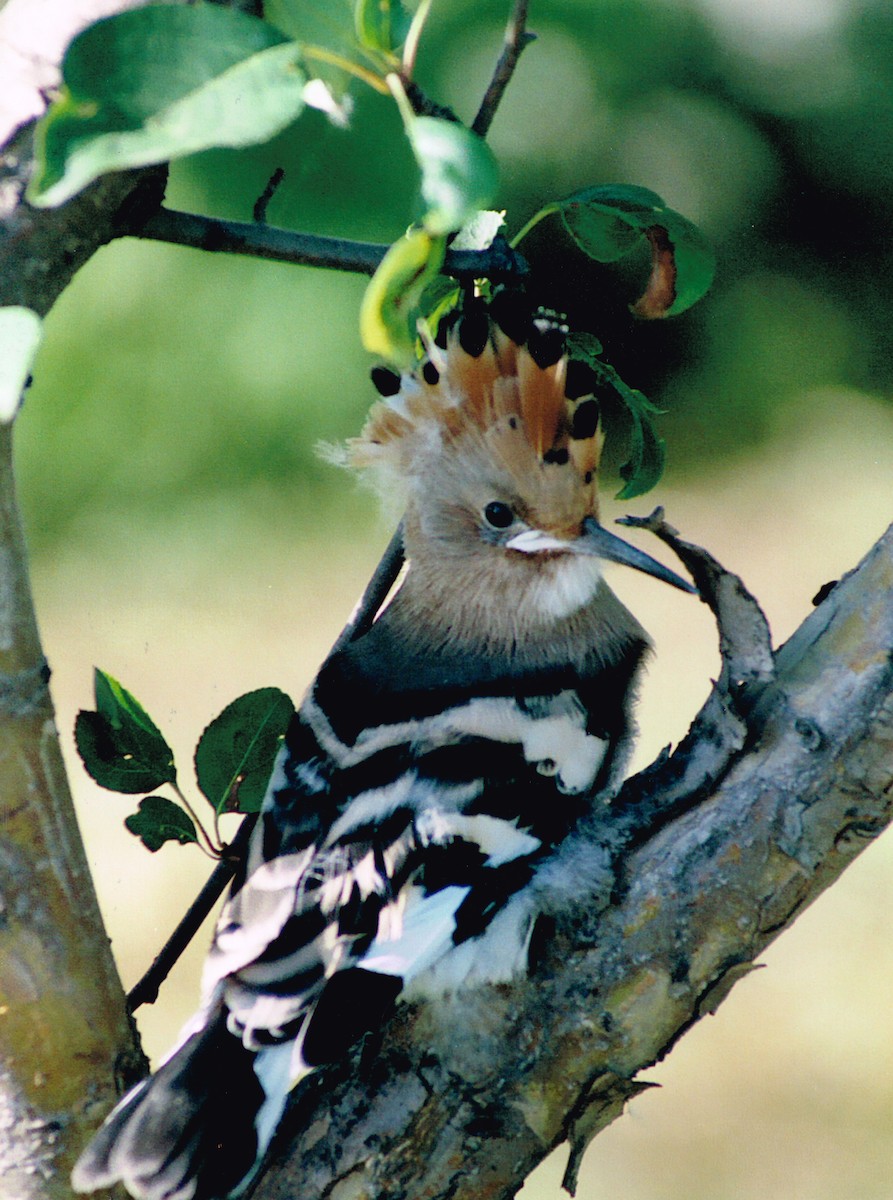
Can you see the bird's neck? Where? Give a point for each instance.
(554, 613)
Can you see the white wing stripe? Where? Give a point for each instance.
(557, 735)
(414, 931)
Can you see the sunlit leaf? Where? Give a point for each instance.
(459, 172)
(121, 747)
(392, 302)
(20, 334)
(320, 25)
(155, 83)
(160, 820)
(235, 755)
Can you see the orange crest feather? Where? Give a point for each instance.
(475, 385)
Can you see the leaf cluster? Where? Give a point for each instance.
(163, 81)
(123, 750)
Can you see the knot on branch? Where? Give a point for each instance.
(24, 693)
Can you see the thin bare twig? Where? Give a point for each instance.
(259, 212)
(498, 262)
(145, 991)
(383, 579)
(516, 38)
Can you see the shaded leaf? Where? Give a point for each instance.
(610, 221)
(645, 464)
(235, 754)
(391, 303)
(121, 747)
(20, 334)
(459, 172)
(320, 26)
(381, 25)
(155, 83)
(160, 820)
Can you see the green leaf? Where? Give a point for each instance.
(645, 464)
(459, 172)
(381, 25)
(121, 747)
(160, 820)
(159, 82)
(392, 302)
(610, 221)
(328, 39)
(235, 755)
(20, 334)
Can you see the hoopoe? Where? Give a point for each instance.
(435, 763)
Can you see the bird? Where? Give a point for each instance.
(436, 763)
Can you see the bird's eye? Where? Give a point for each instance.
(498, 514)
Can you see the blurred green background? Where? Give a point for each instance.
(188, 538)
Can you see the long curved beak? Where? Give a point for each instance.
(596, 540)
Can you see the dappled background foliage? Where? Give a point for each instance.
(172, 379)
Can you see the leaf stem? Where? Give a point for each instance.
(411, 45)
(398, 91)
(534, 221)
(211, 847)
(321, 54)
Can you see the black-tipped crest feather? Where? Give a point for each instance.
(508, 361)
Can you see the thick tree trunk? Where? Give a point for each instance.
(66, 1042)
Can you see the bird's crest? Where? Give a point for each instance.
(498, 372)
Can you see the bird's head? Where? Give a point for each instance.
(495, 443)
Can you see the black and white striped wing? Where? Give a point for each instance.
(385, 852)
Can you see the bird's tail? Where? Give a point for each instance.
(187, 1133)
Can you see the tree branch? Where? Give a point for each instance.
(516, 38)
(66, 1043)
(314, 250)
(465, 1098)
(64, 1034)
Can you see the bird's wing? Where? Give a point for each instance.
(381, 847)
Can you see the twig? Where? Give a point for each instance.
(516, 38)
(498, 262)
(259, 212)
(262, 241)
(145, 991)
(383, 579)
